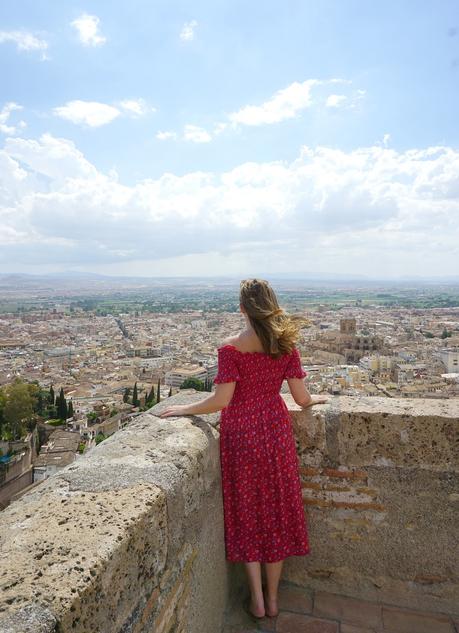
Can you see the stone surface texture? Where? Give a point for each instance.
(129, 538)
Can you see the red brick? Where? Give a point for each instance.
(349, 474)
(296, 623)
(308, 501)
(292, 598)
(367, 491)
(357, 505)
(351, 610)
(406, 621)
(310, 470)
(311, 484)
(336, 488)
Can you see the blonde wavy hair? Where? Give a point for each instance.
(277, 330)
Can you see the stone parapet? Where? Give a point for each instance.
(130, 538)
(381, 493)
(126, 539)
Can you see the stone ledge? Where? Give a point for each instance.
(88, 547)
(130, 537)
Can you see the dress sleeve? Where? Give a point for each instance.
(227, 367)
(294, 368)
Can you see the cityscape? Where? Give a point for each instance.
(109, 348)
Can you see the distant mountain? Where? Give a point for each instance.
(76, 275)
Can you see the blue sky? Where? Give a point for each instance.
(189, 138)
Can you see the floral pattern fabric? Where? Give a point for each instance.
(264, 517)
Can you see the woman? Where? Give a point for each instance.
(263, 510)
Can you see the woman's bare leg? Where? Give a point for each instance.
(253, 570)
(273, 574)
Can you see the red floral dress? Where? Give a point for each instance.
(264, 517)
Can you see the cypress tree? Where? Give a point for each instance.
(58, 406)
(135, 400)
(127, 392)
(70, 412)
(158, 395)
(151, 395)
(170, 392)
(51, 395)
(40, 403)
(61, 405)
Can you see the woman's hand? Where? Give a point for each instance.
(317, 399)
(175, 410)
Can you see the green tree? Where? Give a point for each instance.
(100, 437)
(40, 404)
(62, 405)
(135, 398)
(151, 397)
(2, 410)
(127, 393)
(18, 408)
(170, 392)
(51, 395)
(70, 411)
(158, 393)
(192, 383)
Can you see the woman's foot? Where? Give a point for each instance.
(271, 607)
(257, 608)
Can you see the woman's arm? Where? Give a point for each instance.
(302, 396)
(218, 400)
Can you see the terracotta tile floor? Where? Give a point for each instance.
(301, 612)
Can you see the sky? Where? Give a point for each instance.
(228, 137)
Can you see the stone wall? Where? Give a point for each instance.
(126, 539)
(381, 493)
(130, 537)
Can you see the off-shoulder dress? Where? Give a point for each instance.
(264, 516)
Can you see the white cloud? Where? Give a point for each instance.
(373, 206)
(55, 158)
(166, 136)
(191, 133)
(196, 134)
(284, 104)
(25, 41)
(95, 114)
(137, 107)
(188, 31)
(90, 113)
(5, 114)
(87, 27)
(357, 98)
(219, 128)
(333, 101)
